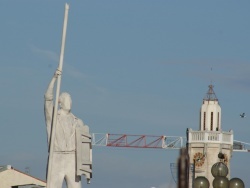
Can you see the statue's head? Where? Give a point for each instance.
(65, 101)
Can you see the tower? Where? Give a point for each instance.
(210, 113)
(209, 144)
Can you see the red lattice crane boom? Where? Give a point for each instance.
(150, 141)
(138, 141)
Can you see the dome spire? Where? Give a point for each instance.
(210, 96)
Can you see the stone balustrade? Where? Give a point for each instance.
(210, 136)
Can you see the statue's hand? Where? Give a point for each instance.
(57, 73)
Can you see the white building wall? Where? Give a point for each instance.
(209, 144)
(210, 116)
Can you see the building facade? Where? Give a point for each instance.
(209, 144)
(13, 178)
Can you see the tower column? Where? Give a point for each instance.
(210, 112)
(205, 145)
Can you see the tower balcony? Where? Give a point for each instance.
(209, 137)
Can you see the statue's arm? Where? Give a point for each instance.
(48, 103)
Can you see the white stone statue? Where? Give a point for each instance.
(72, 153)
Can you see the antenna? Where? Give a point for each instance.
(211, 76)
(27, 170)
(210, 96)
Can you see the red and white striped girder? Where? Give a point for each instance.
(137, 141)
(149, 141)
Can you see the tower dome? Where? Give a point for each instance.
(210, 113)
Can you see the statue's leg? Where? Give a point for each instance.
(57, 171)
(72, 180)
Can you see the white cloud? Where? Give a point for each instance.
(74, 72)
(46, 53)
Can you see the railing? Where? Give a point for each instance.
(210, 136)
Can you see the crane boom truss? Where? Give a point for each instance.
(137, 141)
(150, 141)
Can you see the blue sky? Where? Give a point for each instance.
(135, 67)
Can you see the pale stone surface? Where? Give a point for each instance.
(64, 159)
(210, 116)
(210, 152)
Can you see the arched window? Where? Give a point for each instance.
(218, 120)
(204, 121)
(212, 118)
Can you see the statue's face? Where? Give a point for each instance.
(65, 102)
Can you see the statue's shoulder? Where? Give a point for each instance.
(81, 127)
(78, 121)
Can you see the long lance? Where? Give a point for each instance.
(52, 135)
